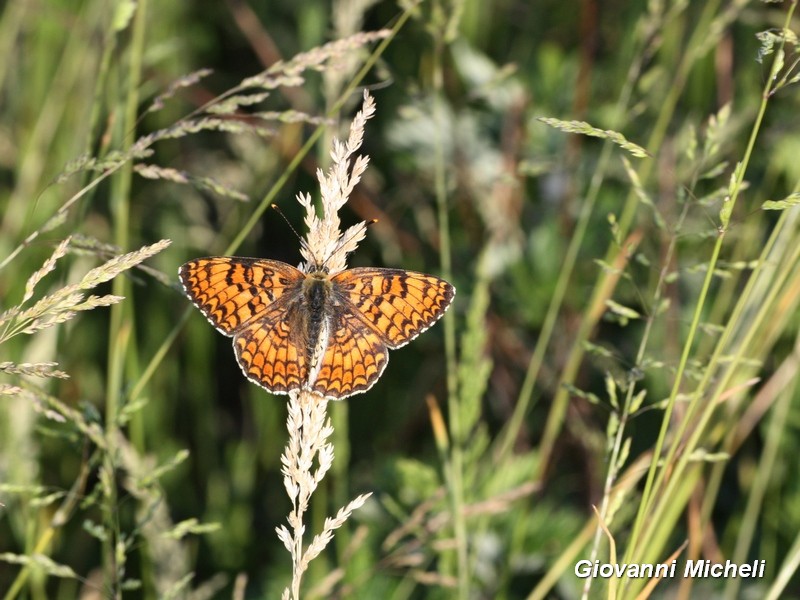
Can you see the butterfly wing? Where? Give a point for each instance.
(231, 292)
(398, 304)
(261, 305)
(271, 353)
(376, 309)
(253, 301)
(353, 360)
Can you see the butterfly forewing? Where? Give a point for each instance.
(247, 298)
(398, 304)
(231, 292)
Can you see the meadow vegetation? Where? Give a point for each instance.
(612, 188)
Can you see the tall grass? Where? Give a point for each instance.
(615, 199)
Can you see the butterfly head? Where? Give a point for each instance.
(325, 249)
(318, 272)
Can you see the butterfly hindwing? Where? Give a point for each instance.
(269, 353)
(353, 360)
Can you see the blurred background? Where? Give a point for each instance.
(579, 265)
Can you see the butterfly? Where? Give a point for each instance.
(327, 333)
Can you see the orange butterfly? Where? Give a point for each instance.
(326, 333)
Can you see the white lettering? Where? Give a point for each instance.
(705, 568)
(643, 571)
(694, 568)
(734, 569)
(583, 569)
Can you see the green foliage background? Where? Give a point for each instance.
(468, 182)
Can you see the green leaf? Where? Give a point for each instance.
(637, 401)
(788, 202)
(588, 396)
(701, 455)
(612, 426)
(123, 14)
(622, 311)
(624, 452)
(611, 390)
(597, 350)
(45, 563)
(190, 526)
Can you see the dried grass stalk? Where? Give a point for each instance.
(308, 454)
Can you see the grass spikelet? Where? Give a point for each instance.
(44, 369)
(234, 103)
(64, 304)
(48, 266)
(605, 134)
(325, 243)
(292, 116)
(39, 562)
(181, 83)
(190, 126)
(117, 265)
(309, 430)
(176, 176)
(308, 455)
(288, 72)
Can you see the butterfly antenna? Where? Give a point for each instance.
(343, 241)
(294, 231)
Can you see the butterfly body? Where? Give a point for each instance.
(317, 291)
(328, 333)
